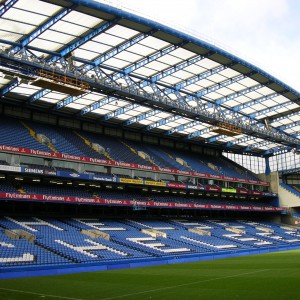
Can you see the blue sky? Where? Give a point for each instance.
(263, 32)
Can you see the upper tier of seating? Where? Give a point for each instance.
(62, 140)
(69, 240)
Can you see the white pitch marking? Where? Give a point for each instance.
(184, 284)
(38, 294)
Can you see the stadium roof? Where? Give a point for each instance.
(94, 61)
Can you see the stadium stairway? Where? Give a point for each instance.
(21, 191)
(187, 167)
(296, 188)
(33, 134)
(89, 144)
(158, 156)
(136, 153)
(58, 253)
(288, 196)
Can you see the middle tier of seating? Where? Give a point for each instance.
(111, 194)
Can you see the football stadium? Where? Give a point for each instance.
(141, 162)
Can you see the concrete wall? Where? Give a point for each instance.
(290, 220)
(286, 198)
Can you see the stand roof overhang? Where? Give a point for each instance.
(140, 75)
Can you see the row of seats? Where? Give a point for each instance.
(90, 192)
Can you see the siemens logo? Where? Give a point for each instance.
(35, 171)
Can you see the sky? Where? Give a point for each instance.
(263, 32)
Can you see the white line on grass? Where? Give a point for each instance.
(39, 294)
(184, 284)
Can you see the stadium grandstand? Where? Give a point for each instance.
(125, 142)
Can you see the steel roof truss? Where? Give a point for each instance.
(220, 85)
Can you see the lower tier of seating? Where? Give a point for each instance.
(35, 241)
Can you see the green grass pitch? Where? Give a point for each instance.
(267, 276)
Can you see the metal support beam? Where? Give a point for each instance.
(41, 29)
(268, 169)
(256, 101)
(14, 83)
(63, 103)
(201, 76)
(288, 126)
(174, 69)
(118, 49)
(238, 94)
(257, 145)
(239, 141)
(5, 7)
(97, 105)
(149, 59)
(197, 133)
(220, 85)
(264, 111)
(141, 117)
(278, 150)
(122, 73)
(120, 111)
(214, 138)
(84, 39)
(285, 117)
(183, 127)
(38, 95)
(163, 122)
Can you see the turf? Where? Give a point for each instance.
(268, 276)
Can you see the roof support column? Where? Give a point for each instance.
(268, 170)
